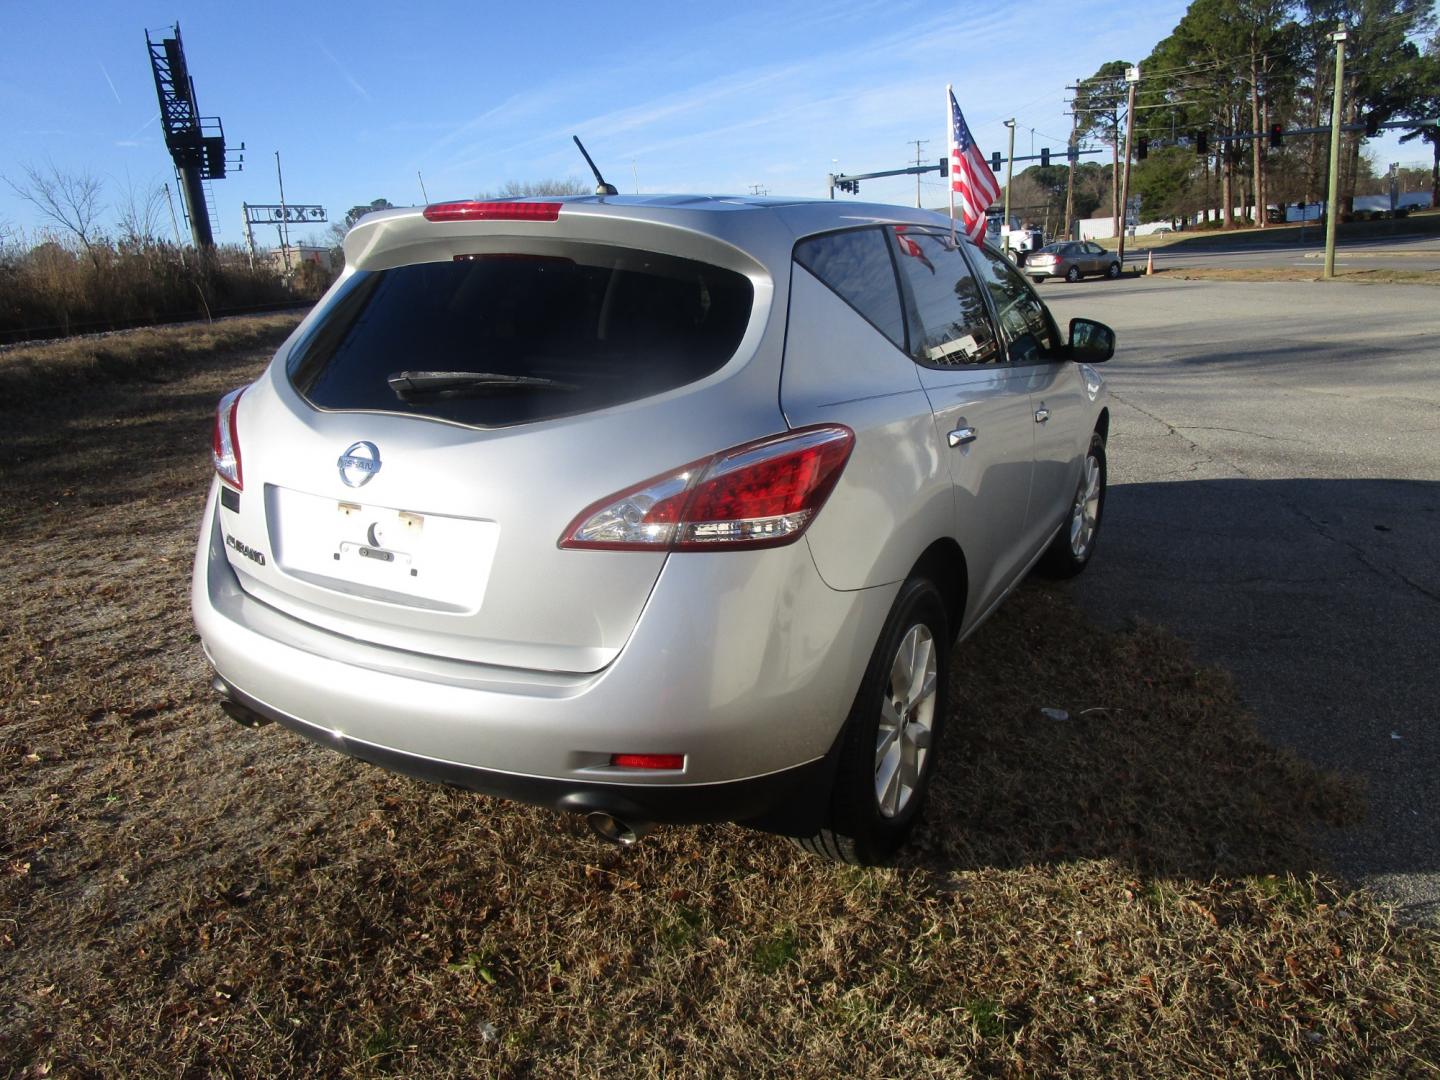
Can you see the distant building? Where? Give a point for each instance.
(282, 259)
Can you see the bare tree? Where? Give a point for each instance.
(70, 200)
(517, 188)
(141, 213)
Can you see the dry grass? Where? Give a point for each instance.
(35, 373)
(1421, 223)
(1305, 273)
(52, 290)
(1127, 892)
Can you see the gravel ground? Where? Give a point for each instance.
(1275, 472)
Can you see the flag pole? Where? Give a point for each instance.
(950, 155)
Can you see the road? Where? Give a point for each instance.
(1307, 249)
(1275, 499)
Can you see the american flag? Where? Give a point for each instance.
(970, 176)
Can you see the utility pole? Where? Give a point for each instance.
(1333, 206)
(284, 232)
(1132, 76)
(1072, 159)
(249, 233)
(918, 161)
(1009, 176)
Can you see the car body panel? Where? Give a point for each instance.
(895, 494)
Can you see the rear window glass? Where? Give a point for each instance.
(501, 339)
(856, 265)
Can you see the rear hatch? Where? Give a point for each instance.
(414, 454)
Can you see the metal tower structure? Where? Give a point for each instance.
(196, 143)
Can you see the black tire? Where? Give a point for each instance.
(1061, 560)
(1038, 280)
(1113, 271)
(1072, 275)
(855, 828)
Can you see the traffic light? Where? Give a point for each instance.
(995, 161)
(1044, 157)
(1202, 144)
(1372, 125)
(1142, 149)
(1277, 136)
(944, 166)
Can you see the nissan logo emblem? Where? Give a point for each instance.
(359, 463)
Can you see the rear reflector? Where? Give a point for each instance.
(225, 441)
(493, 211)
(761, 494)
(648, 761)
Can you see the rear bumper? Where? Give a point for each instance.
(788, 800)
(744, 662)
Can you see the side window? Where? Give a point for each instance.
(1094, 249)
(1026, 324)
(857, 267)
(953, 325)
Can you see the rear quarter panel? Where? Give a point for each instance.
(895, 496)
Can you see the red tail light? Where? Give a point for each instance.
(648, 761)
(761, 494)
(493, 211)
(225, 441)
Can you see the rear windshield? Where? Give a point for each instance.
(496, 339)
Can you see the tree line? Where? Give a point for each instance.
(1241, 67)
(104, 260)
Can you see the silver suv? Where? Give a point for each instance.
(654, 509)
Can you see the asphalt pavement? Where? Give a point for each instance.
(1274, 470)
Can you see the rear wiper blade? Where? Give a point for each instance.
(449, 384)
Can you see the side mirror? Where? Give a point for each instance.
(1091, 342)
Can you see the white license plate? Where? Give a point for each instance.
(388, 554)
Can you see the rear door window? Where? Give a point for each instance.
(950, 325)
(526, 337)
(856, 266)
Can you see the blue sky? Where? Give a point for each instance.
(678, 96)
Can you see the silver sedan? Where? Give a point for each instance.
(1072, 260)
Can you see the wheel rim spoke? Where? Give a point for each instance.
(887, 781)
(890, 725)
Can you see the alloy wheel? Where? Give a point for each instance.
(907, 716)
(1085, 514)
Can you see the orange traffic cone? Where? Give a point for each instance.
(1149, 263)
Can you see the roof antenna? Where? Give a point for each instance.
(601, 187)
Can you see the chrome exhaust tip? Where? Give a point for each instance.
(609, 827)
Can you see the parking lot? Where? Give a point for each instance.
(1275, 495)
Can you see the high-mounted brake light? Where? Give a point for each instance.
(647, 761)
(761, 494)
(225, 441)
(493, 211)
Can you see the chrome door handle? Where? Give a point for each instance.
(1041, 415)
(962, 435)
